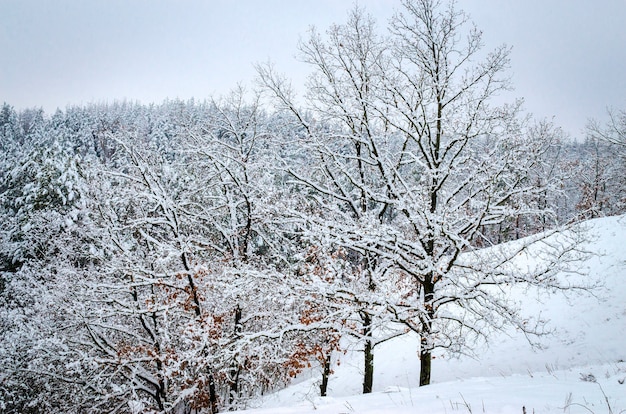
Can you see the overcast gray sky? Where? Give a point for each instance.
(568, 59)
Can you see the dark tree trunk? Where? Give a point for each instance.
(425, 360)
(427, 327)
(157, 397)
(212, 395)
(325, 375)
(235, 368)
(368, 376)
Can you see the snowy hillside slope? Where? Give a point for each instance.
(588, 344)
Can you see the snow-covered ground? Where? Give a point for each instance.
(581, 367)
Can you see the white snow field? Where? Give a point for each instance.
(580, 368)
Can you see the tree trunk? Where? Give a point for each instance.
(325, 375)
(157, 397)
(427, 327)
(235, 368)
(368, 377)
(212, 395)
(425, 359)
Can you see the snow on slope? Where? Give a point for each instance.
(559, 392)
(589, 344)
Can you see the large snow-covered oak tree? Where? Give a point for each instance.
(409, 161)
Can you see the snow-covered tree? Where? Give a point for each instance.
(43, 250)
(191, 308)
(350, 68)
(411, 160)
(614, 131)
(603, 167)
